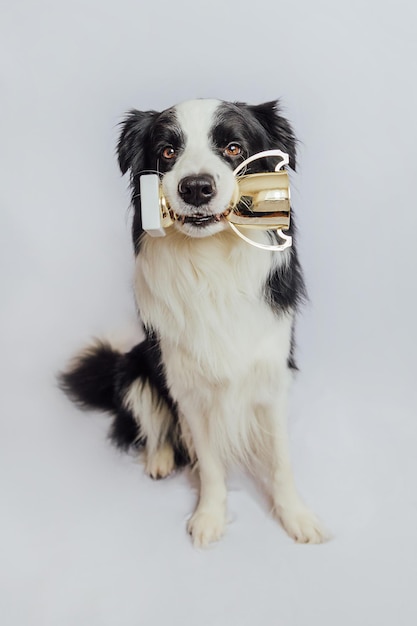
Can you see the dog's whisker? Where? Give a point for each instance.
(242, 173)
(245, 203)
(145, 172)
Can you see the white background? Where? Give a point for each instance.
(88, 539)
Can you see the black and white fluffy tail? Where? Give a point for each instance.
(131, 387)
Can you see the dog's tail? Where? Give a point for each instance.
(131, 386)
(90, 380)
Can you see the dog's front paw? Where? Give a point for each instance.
(206, 527)
(160, 463)
(303, 526)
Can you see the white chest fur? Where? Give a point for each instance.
(204, 298)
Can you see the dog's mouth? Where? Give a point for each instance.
(200, 220)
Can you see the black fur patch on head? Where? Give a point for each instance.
(280, 134)
(255, 128)
(143, 137)
(131, 148)
(165, 132)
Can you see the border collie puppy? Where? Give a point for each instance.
(209, 383)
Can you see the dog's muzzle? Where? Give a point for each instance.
(260, 201)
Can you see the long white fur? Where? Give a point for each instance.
(224, 350)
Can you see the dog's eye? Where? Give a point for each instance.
(169, 153)
(232, 150)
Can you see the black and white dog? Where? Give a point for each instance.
(209, 383)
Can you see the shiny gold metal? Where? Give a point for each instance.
(263, 201)
(167, 217)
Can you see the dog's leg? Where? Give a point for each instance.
(154, 419)
(297, 519)
(208, 521)
(160, 461)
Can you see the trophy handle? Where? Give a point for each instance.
(264, 246)
(285, 159)
(287, 240)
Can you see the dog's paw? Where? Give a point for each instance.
(303, 526)
(161, 463)
(206, 527)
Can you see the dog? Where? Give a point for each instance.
(208, 386)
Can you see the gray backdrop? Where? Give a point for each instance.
(88, 539)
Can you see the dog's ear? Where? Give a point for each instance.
(279, 130)
(130, 148)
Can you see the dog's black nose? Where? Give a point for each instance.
(197, 190)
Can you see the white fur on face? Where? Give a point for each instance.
(196, 118)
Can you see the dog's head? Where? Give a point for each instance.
(194, 147)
